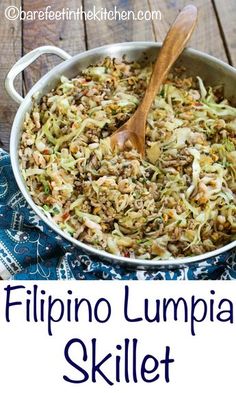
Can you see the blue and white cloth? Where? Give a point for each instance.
(30, 250)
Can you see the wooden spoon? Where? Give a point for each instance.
(177, 37)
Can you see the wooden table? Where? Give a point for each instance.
(215, 34)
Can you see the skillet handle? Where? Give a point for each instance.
(24, 62)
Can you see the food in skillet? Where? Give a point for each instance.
(178, 201)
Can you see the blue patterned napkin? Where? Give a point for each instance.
(30, 250)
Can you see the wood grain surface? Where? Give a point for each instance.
(68, 35)
(206, 37)
(11, 49)
(226, 16)
(215, 34)
(101, 33)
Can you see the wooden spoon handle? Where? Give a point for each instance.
(174, 43)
